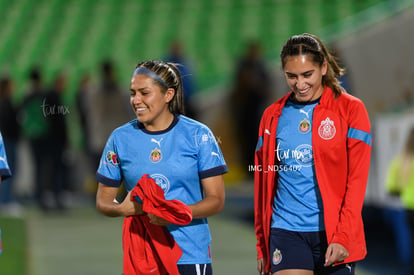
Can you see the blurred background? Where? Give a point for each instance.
(71, 61)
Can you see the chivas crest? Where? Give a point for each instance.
(155, 155)
(327, 129)
(304, 126)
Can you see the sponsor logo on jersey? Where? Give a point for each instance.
(327, 129)
(157, 141)
(204, 138)
(277, 257)
(304, 112)
(156, 155)
(111, 157)
(215, 154)
(304, 155)
(162, 182)
(207, 138)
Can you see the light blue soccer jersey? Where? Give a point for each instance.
(298, 203)
(177, 158)
(4, 166)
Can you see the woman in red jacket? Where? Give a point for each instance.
(311, 169)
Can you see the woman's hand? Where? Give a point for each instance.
(130, 207)
(261, 266)
(106, 204)
(335, 253)
(157, 220)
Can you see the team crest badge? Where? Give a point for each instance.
(327, 129)
(155, 155)
(304, 126)
(277, 257)
(112, 157)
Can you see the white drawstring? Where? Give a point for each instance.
(199, 271)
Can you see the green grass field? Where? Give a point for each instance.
(87, 243)
(14, 243)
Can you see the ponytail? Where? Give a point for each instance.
(310, 44)
(166, 75)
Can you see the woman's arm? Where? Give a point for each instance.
(107, 205)
(213, 201)
(350, 226)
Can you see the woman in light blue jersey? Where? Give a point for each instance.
(179, 153)
(4, 166)
(312, 162)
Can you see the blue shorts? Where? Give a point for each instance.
(303, 250)
(195, 269)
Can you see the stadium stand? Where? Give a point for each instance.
(77, 35)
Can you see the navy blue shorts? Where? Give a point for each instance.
(195, 269)
(303, 250)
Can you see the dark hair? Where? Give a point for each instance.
(171, 75)
(311, 45)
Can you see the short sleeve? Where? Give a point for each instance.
(210, 158)
(109, 171)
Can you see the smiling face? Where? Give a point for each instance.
(304, 77)
(150, 104)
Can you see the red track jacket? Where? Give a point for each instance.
(148, 248)
(341, 141)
